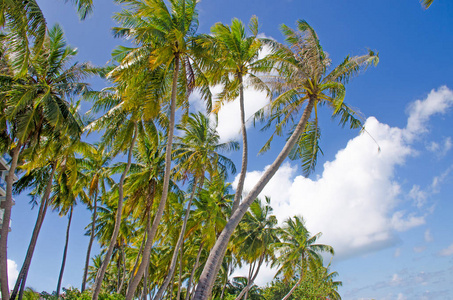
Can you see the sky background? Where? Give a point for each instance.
(388, 214)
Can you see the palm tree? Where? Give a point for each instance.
(197, 153)
(163, 35)
(255, 238)
(304, 81)
(95, 170)
(236, 59)
(298, 251)
(34, 105)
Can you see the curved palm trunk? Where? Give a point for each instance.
(65, 252)
(90, 244)
(291, 291)
(174, 258)
(217, 253)
(192, 274)
(22, 277)
(251, 279)
(108, 255)
(240, 187)
(160, 210)
(181, 252)
(8, 204)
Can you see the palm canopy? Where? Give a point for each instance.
(39, 99)
(303, 75)
(235, 57)
(197, 150)
(297, 249)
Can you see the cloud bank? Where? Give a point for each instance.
(356, 201)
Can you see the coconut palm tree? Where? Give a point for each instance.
(162, 33)
(197, 154)
(304, 84)
(94, 167)
(35, 105)
(298, 251)
(235, 61)
(255, 238)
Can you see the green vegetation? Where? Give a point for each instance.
(170, 227)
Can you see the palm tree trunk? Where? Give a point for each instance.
(65, 252)
(123, 265)
(181, 250)
(20, 282)
(8, 204)
(90, 244)
(145, 284)
(192, 274)
(108, 255)
(240, 187)
(293, 288)
(251, 279)
(160, 210)
(174, 258)
(217, 253)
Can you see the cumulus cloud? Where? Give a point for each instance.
(356, 201)
(447, 251)
(13, 272)
(440, 149)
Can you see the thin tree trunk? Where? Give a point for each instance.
(174, 258)
(65, 252)
(217, 253)
(8, 204)
(123, 277)
(101, 272)
(137, 260)
(21, 279)
(251, 279)
(293, 288)
(181, 250)
(192, 274)
(90, 244)
(160, 210)
(145, 284)
(240, 187)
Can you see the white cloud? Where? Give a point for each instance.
(355, 201)
(447, 251)
(428, 236)
(419, 249)
(397, 252)
(13, 272)
(401, 297)
(418, 196)
(437, 102)
(440, 149)
(396, 280)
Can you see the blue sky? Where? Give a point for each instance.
(387, 213)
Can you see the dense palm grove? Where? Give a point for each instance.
(170, 226)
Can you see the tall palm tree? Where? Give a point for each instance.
(304, 81)
(162, 34)
(96, 173)
(255, 238)
(197, 153)
(298, 251)
(35, 105)
(236, 60)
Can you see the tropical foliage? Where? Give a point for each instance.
(158, 179)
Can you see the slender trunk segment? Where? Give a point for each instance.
(195, 267)
(240, 187)
(21, 279)
(65, 252)
(8, 204)
(174, 258)
(160, 210)
(90, 244)
(108, 255)
(251, 279)
(217, 253)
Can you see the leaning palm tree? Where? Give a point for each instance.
(34, 105)
(235, 63)
(304, 84)
(298, 251)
